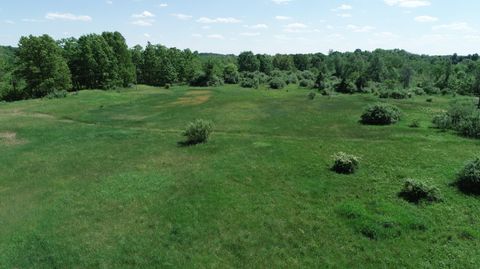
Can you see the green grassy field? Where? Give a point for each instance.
(97, 180)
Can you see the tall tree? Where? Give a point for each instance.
(247, 62)
(41, 64)
(126, 69)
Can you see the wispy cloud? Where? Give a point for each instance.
(67, 17)
(360, 29)
(183, 17)
(408, 3)
(216, 36)
(455, 26)
(426, 19)
(281, 2)
(283, 18)
(218, 20)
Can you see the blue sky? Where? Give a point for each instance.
(263, 26)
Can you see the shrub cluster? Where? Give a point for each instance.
(345, 163)
(462, 117)
(381, 114)
(415, 192)
(198, 132)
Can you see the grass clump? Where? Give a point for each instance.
(381, 114)
(57, 94)
(414, 124)
(416, 191)
(468, 179)
(198, 132)
(345, 163)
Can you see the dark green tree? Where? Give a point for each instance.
(42, 66)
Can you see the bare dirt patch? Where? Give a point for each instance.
(193, 98)
(10, 138)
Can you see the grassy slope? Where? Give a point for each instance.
(97, 180)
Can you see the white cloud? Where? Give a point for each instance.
(455, 26)
(249, 34)
(360, 29)
(162, 5)
(9, 22)
(281, 2)
(216, 36)
(345, 15)
(426, 19)
(218, 20)
(295, 28)
(343, 7)
(147, 35)
(183, 17)
(408, 3)
(257, 26)
(197, 35)
(145, 14)
(67, 17)
(143, 22)
(282, 18)
(110, 2)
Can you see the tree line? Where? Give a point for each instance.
(41, 65)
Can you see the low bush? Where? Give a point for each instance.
(167, 86)
(429, 100)
(345, 163)
(395, 94)
(415, 192)
(418, 91)
(305, 83)
(56, 95)
(198, 132)
(249, 83)
(468, 179)
(346, 87)
(441, 121)
(381, 114)
(277, 83)
(311, 95)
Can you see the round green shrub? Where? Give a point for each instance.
(345, 163)
(469, 177)
(381, 114)
(415, 191)
(277, 83)
(198, 131)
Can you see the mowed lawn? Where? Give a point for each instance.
(97, 180)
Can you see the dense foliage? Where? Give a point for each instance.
(345, 163)
(104, 62)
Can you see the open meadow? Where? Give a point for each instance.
(99, 180)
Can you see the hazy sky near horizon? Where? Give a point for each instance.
(263, 26)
